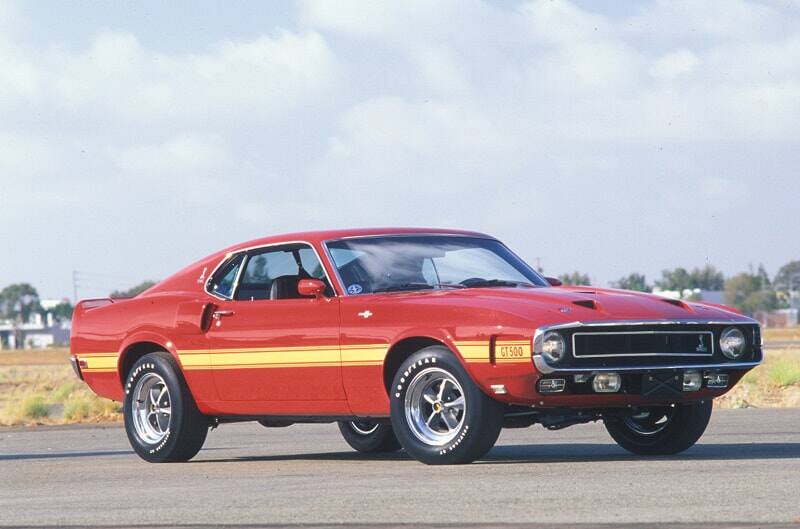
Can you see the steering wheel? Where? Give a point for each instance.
(470, 281)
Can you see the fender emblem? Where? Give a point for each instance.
(366, 314)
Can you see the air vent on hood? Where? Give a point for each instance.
(676, 302)
(588, 303)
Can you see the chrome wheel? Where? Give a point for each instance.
(363, 427)
(151, 408)
(650, 421)
(435, 406)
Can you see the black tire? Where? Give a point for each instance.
(184, 428)
(369, 437)
(468, 433)
(683, 425)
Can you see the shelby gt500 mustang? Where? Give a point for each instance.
(429, 340)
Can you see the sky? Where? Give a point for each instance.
(604, 137)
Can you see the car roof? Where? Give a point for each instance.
(327, 235)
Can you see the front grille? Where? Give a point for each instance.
(608, 346)
(597, 344)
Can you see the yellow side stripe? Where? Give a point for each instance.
(311, 356)
(92, 362)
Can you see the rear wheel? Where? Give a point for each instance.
(660, 430)
(438, 413)
(369, 437)
(161, 418)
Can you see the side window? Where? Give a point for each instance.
(273, 273)
(222, 282)
(311, 264)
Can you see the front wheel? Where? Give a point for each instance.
(438, 413)
(369, 437)
(660, 430)
(161, 418)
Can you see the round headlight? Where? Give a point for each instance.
(553, 347)
(732, 343)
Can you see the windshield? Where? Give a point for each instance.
(402, 263)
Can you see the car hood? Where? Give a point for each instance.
(566, 304)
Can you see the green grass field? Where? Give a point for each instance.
(39, 387)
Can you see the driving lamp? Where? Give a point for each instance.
(732, 343)
(692, 381)
(606, 382)
(553, 347)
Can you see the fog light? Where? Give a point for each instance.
(552, 385)
(717, 380)
(606, 382)
(692, 381)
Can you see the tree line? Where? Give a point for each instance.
(20, 300)
(749, 291)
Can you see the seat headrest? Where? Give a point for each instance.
(284, 287)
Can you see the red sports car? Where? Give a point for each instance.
(430, 340)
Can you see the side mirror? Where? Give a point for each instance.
(311, 288)
(554, 281)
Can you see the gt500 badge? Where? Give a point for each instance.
(355, 288)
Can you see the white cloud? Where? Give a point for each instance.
(674, 64)
(117, 78)
(615, 131)
(561, 22)
(189, 168)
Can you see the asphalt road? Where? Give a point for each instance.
(746, 468)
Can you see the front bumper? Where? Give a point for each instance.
(543, 367)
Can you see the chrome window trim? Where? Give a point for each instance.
(234, 253)
(413, 234)
(335, 269)
(698, 333)
(543, 367)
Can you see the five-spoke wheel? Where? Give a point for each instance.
(161, 418)
(369, 436)
(438, 413)
(435, 406)
(660, 430)
(152, 410)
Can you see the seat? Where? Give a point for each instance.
(285, 287)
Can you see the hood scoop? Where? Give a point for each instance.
(587, 303)
(677, 303)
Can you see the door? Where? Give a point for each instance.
(266, 342)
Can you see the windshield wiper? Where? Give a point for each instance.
(498, 283)
(416, 286)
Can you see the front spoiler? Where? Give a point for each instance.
(543, 367)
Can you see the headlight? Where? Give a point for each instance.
(732, 343)
(553, 347)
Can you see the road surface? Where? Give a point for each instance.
(746, 468)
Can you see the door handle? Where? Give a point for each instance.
(217, 314)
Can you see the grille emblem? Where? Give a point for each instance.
(702, 347)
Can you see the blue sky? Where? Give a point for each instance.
(602, 137)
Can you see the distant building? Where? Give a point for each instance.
(41, 330)
(693, 294)
(778, 318)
